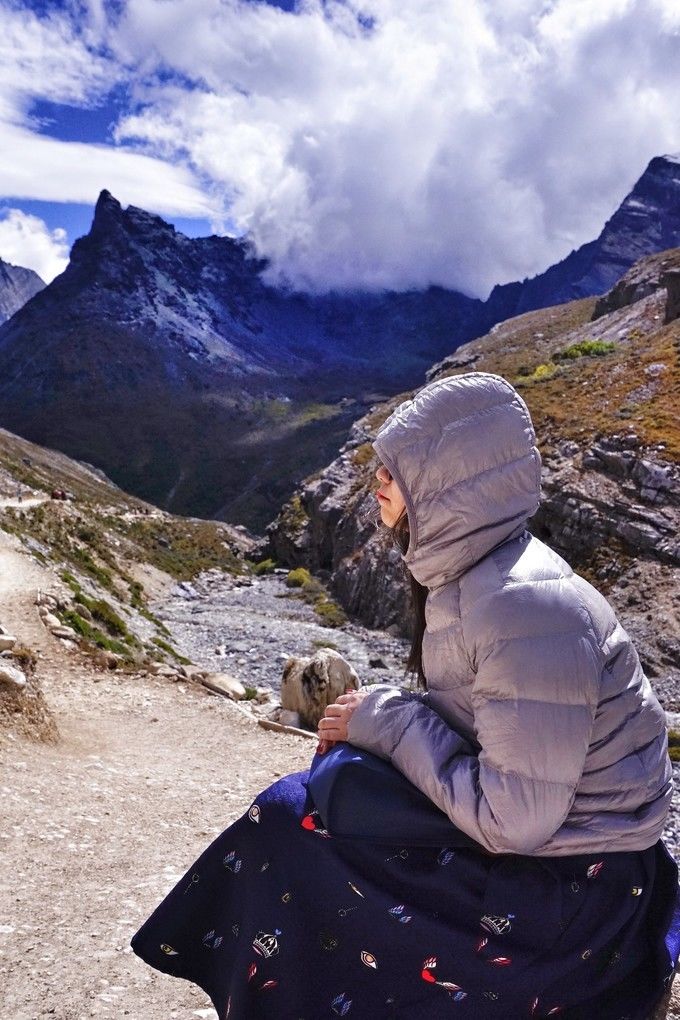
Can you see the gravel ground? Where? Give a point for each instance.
(249, 630)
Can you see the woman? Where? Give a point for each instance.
(538, 735)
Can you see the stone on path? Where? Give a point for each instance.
(12, 675)
(6, 642)
(50, 620)
(64, 632)
(224, 684)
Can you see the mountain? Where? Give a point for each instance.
(17, 285)
(165, 360)
(602, 382)
(648, 220)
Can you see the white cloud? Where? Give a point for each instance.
(26, 240)
(56, 59)
(457, 144)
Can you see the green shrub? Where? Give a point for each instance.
(251, 694)
(264, 567)
(298, 578)
(674, 745)
(330, 613)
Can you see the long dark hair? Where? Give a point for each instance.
(401, 535)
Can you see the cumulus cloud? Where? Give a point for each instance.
(26, 240)
(399, 143)
(62, 60)
(380, 143)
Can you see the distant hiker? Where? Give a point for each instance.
(537, 734)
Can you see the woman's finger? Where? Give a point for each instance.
(334, 710)
(328, 724)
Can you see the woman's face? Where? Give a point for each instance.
(390, 499)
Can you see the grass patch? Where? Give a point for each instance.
(585, 349)
(544, 371)
(182, 547)
(171, 651)
(674, 745)
(363, 455)
(94, 635)
(322, 643)
(251, 693)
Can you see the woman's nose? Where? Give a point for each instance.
(383, 475)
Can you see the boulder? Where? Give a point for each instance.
(12, 676)
(309, 686)
(222, 683)
(65, 632)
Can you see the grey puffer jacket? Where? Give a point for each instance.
(539, 732)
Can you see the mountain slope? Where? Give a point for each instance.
(165, 360)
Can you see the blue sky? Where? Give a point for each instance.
(359, 143)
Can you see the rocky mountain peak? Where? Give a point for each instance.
(17, 286)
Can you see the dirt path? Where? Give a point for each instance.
(95, 830)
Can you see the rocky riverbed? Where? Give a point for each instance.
(250, 627)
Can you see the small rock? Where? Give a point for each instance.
(289, 718)
(164, 669)
(12, 676)
(7, 641)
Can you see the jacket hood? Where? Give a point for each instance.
(463, 452)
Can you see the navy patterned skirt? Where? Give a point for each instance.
(278, 920)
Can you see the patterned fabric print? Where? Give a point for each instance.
(278, 920)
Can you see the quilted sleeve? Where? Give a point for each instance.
(537, 664)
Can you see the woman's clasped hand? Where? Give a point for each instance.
(333, 726)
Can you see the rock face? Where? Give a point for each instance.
(671, 281)
(609, 436)
(645, 277)
(17, 286)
